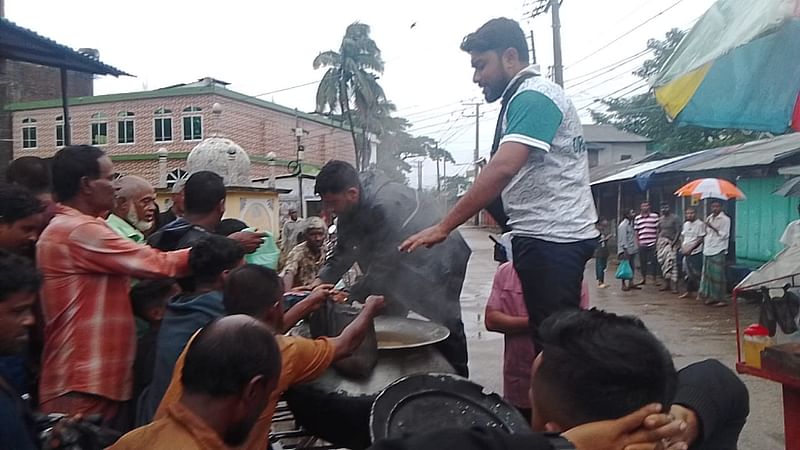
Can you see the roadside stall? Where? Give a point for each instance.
(771, 348)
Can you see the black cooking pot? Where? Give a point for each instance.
(337, 409)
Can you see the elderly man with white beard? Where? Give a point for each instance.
(134, 210)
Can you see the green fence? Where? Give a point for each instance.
(761, 219)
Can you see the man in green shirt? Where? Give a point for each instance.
(135, 208)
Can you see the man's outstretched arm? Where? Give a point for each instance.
(510, 158)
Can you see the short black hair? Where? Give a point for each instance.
(251, 289)
(598, 366)
(336, 177)
(211, 255)
(72, 163)
(31, 172)
(17, 274)
(203, 192)
(223, 359)
(497, 35)
(149, 293)
(227, 227)
(17, 202)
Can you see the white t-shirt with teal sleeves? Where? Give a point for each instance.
(550, 197)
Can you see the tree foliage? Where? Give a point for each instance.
(350, 85)
(641, 114)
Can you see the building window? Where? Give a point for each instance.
(125, 128)
(192, 124)
(59, 131)
(162, 125)
(176, 175)
(29, 133)
(99, 129)
(625, 157)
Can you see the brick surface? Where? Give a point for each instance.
(257, 129)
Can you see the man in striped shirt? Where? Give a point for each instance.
(646, 226)
(90, 339)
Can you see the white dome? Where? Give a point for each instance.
(222, 156)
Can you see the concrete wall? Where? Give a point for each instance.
(612, 152)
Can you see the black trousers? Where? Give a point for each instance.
(551, 275)
(648, 261)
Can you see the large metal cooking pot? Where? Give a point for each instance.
(406, 406)
(337, 409)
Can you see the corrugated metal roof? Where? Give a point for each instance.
(755, 153)
(632, 171)
(609, 133)
(21, 44)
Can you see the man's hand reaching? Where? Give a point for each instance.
(425, 238)
(248, 239)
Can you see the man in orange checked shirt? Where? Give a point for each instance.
(89, 331)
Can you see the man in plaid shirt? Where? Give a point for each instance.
(90, 340)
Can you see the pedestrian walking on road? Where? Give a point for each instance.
(692, 251)
(646, 226)
(601, 254)
(669, 230)
(715, 248)
(627, 249)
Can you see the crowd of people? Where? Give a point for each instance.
(159, 326)
(688, 256)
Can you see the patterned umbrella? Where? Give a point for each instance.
(739, 67)
(710, 188)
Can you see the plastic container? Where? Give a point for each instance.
(756, 339)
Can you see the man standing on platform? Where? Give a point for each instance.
(537, 181)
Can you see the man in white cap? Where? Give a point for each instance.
(134, 210)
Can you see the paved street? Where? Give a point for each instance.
(690, 331)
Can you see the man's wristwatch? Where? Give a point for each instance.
(559, 442)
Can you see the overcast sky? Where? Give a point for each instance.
(261, 47)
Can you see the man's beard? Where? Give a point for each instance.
(141, 225)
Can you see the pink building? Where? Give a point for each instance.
(132, 127)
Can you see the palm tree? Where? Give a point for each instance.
(352, 79)
(439, 154)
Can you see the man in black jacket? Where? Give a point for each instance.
(375, 216)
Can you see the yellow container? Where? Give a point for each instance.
(756, 339)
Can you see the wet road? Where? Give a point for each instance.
(691, 331)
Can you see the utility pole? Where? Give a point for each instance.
(533, 49)
(419, 174)
(558, 65)
(298, 134)
(540, 8)
(438, 177)
(476, 155)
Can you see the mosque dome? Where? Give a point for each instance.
(222, 156)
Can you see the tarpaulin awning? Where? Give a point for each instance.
(739, 67)
(784, 268)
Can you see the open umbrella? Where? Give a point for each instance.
(739, 67)
(789, 189)
(710, 188)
